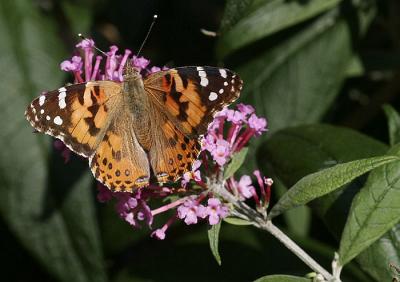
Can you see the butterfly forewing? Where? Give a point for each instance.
(75, 114)
(191, 96)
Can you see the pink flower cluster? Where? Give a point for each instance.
(191, 210)
(112, 68)
(244, 189)
(243, 124)
(133, 208)
(229, 133)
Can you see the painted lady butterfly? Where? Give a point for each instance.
(131, 128)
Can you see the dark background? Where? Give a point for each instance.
(51, 226)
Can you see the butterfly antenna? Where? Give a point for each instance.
(147, 35)
(94, 46)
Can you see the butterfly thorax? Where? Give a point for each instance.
(138, 104)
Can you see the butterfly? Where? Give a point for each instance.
(140, 127)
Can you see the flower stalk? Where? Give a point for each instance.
(243, 211)
(294, 248)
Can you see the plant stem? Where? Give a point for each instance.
(260, 222)
(292, 246)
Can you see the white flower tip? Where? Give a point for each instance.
(269, 181)
(155, 16)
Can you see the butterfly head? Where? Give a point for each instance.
(133, 82)
(131, 73)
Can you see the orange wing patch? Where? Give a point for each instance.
(119, 162)
(89, 114)
(75, 114)
(191, 96)
(172, 154)
(187, 107)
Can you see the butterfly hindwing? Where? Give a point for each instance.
(75, 114)
(171, 153)
(120, 162)
(191, 96)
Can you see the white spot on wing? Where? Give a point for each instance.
(225, 83)
(203, 77)
(48, 117)
(62, 89)
(223, 73)
(58, 120)
(199, 68)
(62, 104)
(204, 81)
(61, 99)
(41, 100)
(221, 91)
(213, 96)
(42, 111)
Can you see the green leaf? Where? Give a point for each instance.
(299, 151)
(236, 162)
(393, 124)
(50, 212)
(282, 278)
(325, 181)
(234, 11)
(213, 238)
(295, 152)
(314, 62)
(266, 18)
(236, 221)
(377, 257)
(375, 210)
